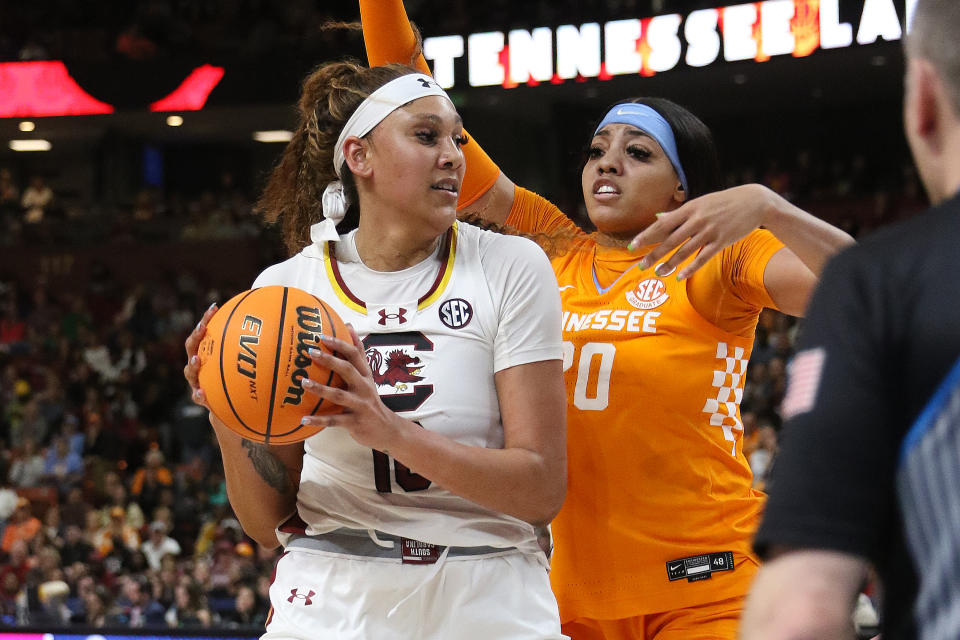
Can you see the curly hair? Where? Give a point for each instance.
(329, 96)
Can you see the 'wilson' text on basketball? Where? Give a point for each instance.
(308, 319)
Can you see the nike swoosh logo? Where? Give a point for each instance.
(633, 111)
(675, 567)
(567, 286)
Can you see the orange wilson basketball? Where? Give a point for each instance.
(253, 359)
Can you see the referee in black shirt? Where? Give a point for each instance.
(881, 334)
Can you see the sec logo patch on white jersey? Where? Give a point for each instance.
(456, 313)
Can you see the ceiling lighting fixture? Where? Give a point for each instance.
(27, 126)
(174, 121)
(276, 135)
(30, 145)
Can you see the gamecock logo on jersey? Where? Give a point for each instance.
(399, 369)
(396, 368)
(648, 294)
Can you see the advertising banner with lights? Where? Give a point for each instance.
(643, 46)
(43, 89)
(754, 31)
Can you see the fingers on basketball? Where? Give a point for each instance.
(255, 355)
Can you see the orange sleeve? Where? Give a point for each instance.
(532, 213)
(388, 37)
(728, 291)
(748, 260)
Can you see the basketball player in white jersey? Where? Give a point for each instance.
(415, 508)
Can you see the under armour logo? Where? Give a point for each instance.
(399, 316)
(426, 83)
(305, 597)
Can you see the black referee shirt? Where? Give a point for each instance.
(887, 318)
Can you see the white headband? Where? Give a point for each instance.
(371, 112)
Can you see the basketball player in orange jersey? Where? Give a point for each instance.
(659, 312)
(411, 515)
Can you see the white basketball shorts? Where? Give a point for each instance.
(320, 595)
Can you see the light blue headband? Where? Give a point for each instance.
(653, 124)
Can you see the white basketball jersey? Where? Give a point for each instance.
(434, 336)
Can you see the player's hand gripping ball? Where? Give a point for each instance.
(253, 359)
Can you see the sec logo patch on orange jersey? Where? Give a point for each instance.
(648, 294)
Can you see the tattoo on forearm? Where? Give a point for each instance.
(270, 468)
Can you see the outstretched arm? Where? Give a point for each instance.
(388, 37)
(714, 221)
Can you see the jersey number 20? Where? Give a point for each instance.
(586, 370)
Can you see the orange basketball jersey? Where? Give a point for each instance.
(660, 511)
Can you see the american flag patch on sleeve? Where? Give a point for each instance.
(804, 374)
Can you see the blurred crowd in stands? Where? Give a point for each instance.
(858, 193)
(113, 506)
(35, 215)
(113, 510)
